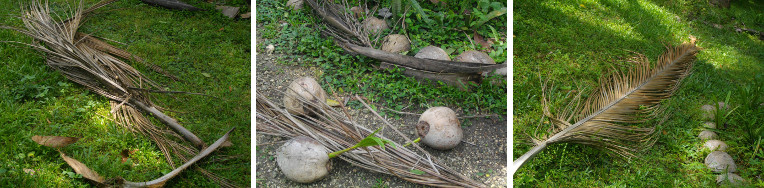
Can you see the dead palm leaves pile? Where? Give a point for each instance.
(336, 131)
(94, 64)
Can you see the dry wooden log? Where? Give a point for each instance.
(172, 4)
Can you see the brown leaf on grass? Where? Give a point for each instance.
(481, 40)
(29, 171)
(226, 144)
(126, 154)
(82, 169)
(54, 141)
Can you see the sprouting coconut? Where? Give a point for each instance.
(396, 43)
(295, 4)
(439, 128)
(374, 25)
(306, 88)
(432, 52)
(303, 159)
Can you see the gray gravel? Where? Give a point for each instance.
(485, 161)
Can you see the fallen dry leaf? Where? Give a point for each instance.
(54, 141)
(29, 171)
(480, 40)
(82, 169)
(226, 144)
(332, 103)
(126, 154)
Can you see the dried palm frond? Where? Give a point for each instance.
(336, 131)
(622, 98)
(89, 62)
(97, 70)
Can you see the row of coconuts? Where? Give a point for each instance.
(397, 43)
(303, 159)
(718, 160)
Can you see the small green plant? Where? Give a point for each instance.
(486, 11)
(370, 140)
(723, 111)
(72, 174)
(380, 183)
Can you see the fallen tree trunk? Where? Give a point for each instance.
(172, 4)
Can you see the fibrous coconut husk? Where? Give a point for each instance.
(474, 56)
(460, 81)
(433, 52)
(295, 4)
(358, 12)
(396, 43)
(375, 25)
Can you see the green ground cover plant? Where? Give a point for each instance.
(575, 43)
(295, 33)
(208, 52)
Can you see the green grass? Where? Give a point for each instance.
(36, 100)
(296, 35)
(574, 43)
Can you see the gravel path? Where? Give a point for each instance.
(483, 158)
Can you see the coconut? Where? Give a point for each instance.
(374, 25)
(709, 125)
(357, 11)
(439, 128)
(707, 135)
(306, 88)
(295, 4)
(473, 56)
(708, 112)
(432, 52)
(715, 145)
(396, 43)
(733, 179)
(303, 159)
(719, 161)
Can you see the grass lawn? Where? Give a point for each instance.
(208, 52)
(574, 43)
